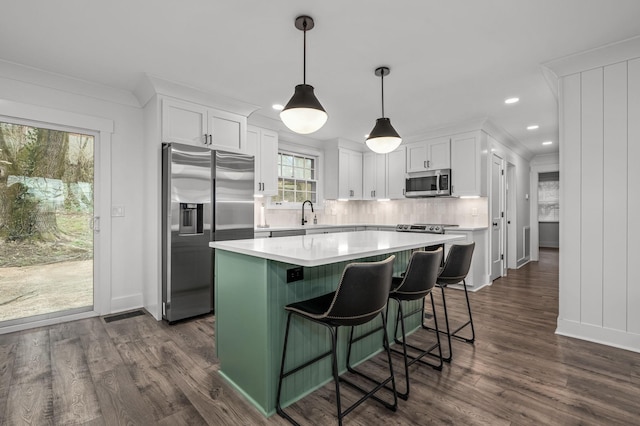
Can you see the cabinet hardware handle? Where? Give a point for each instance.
(425, 164)
(428, 163)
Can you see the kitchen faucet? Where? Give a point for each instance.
(303, 203)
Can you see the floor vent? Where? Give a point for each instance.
(526, 241)
(125, 315)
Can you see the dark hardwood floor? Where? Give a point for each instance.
(140, 371)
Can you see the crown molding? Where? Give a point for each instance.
(594, 58)
(151, 85)
(65, 83)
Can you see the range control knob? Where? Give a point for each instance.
(431, 228)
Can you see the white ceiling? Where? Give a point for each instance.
(451, 61)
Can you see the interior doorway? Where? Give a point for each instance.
(47, 181)
(550, 208)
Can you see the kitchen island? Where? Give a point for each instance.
(255, 279)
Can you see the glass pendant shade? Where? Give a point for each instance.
(383, 138)
(303, 113)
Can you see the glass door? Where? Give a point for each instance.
(46, 223)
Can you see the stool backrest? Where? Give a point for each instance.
(457, 264)
(362, 292)
(421, 273)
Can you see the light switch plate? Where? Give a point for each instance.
(117, 211)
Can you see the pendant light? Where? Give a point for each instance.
(303, 113)
(383, 138)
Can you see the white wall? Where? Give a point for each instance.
(600, 200)
(33, 87)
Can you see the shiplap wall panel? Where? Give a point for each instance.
(614, 297)
(633, 199)
(570, 223)
(591, 200)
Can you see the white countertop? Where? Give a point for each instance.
(323, 249)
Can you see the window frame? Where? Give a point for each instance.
(306, 151)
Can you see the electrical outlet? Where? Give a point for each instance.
(474, 211)
(295, 274)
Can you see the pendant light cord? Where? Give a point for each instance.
(382, 87)
(304, 52)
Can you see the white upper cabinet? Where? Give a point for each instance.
(427, 155)
(374, 176)
(396, 173)
(196, 124)
(469, 164)
(343, 174)
(263, 145)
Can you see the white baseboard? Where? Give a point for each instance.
(126, 303)
(521, 262)
(604, 336)
(470, 288)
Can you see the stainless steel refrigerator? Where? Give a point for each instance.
(206, 196)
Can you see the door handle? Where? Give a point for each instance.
(95, 224)
(495, 224)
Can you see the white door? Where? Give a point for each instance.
(497, 212)
(511, 237)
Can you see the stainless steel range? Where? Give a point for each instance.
(426, 228)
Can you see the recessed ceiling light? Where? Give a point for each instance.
(511, 100)
(277, 107)
(547, 143)
(533, 127)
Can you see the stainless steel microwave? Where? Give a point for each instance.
(434, 183)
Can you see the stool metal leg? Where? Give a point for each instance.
(379, 384)
(410, 359)
(336, 376)
(279, 409)
(470, 322)
(454, 333)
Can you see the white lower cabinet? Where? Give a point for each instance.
(478, 273)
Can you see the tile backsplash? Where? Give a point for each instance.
(463, 212)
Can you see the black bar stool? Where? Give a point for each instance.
(417, 282)
(361, 296)
(455, 270)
